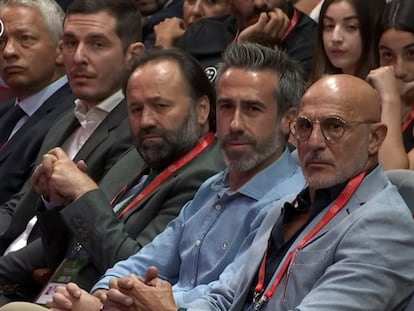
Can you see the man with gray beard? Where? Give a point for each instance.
(258, 91)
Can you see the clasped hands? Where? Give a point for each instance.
(129, 293)
(59, 179)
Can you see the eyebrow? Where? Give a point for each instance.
(93, 35)
(410, 45)
(347, 18)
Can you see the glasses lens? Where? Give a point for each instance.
(332, 128)
(302, 128)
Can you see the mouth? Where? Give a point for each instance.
(337, 51)
(236, 145)
(149, 137)
(81, 76)
(12, 69)
(315, 164)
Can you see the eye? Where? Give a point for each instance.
(224, 105)
(26, 39)
(69, 43)
(98, 44)
(352, 27)
(254, 108)
(303, 124)
(410, 53)
(328, 26)
(333, 125)
(386, 57)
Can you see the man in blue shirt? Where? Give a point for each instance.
(206, 243)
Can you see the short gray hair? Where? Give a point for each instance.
(52, 14)
(289, 86)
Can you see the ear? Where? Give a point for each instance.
(203, 110)
(59, 57)
(376, 138)
(288, 117)
(134, 49)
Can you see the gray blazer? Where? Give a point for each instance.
(361, 260)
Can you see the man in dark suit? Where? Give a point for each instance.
(32, 66)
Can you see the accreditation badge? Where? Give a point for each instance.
(67, 271)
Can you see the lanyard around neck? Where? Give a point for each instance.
(201, 145)
(408, 119)
(260, 297)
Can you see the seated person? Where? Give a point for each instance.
(347, 38)
(394, 81)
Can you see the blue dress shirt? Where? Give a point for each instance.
(212, 231)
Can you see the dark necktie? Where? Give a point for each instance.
(8, 122)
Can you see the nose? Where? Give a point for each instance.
(337, 35)
(147, 117)
(400, 69)
(236, 124)
(9, 48)
(316, 139)
(80, 54)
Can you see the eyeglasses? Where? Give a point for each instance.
(332, 128)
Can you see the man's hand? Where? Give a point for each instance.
(135, 293)
(168, 30)
(268, 30)
(72, 297)
(60, 179)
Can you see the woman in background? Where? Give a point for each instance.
(394, 81)
(347, 38)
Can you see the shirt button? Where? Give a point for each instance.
(197, 243)
(218, 207)
(192, 281)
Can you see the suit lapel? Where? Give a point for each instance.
(375, 180)
(112, 120)
(63, 97)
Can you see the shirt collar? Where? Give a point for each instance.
(32, 103)
(258, 185)
(97, 113)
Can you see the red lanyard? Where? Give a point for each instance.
(202, 144)
(292, 24)
(408, 119)
(336, 206)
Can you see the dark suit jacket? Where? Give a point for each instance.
(17, 157)
(108, 239)
(103, 148)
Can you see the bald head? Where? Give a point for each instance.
(355, 95)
